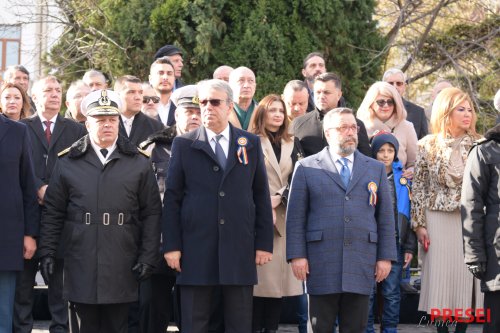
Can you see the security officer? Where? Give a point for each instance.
(103, 204)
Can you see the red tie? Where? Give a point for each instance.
(47, 130)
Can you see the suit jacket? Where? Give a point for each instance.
(336, 228)
(309, 130)
(18, 200)
(65, 133)
(416, 115)
(233, 119)
(142, 127)
(216, 217)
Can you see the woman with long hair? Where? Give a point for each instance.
(382, 110)
(14, 103)
(435, 213)
(281, 151)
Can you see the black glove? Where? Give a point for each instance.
(477, 269)
(47, 264)
(142, 271)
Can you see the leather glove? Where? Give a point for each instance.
(477, 269)
(47, 264)
(142, 271)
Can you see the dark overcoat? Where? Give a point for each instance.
(18, 201)
(416, 115)
(481, 208)
(142, 127)
(109, 218)
(336, 228)
(217, 217)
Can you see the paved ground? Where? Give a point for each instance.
(42, 327)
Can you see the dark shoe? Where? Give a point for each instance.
(461, 328)
(408, 288)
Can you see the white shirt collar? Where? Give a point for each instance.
(211, 134)
(43, 119)
(336, 160)
(97, 150)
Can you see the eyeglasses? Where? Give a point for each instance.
(382, 102)
(396, 83)
(154, 99)
(344, 129)
(213, 102)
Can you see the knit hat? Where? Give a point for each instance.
(381, 138)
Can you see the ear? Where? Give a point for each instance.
(66, 103)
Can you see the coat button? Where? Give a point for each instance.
(221, 193)
(221, 221)
(216, 168)
(347, 198)
(347, 219)
(347, 242)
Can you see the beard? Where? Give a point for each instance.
(345, 146)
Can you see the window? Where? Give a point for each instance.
(10, 46)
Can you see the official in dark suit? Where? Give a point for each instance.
(414, 113)
(134, 125)
(340, 227)
(20, 213)
(50, 133)
(309, 127)
(217, 221)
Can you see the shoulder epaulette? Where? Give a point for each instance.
(143, 152)
(63, 152)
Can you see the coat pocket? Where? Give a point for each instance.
(373, 237)
(314, 236)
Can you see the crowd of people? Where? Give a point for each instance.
(158, 202)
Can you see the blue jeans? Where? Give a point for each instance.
(392, 298)
(7, 292)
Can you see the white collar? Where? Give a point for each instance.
(211, 134)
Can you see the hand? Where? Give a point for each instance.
(262, 257)
(423, 238)
(41, 194)
(173, 259)
(142, 271)
(275, 200)
(408, 173)
(47, 264)
(300, 268)
(477, 269)
(382, 270)
(408, 258)
(29, 247)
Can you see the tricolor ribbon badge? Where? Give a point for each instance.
(242, 150)
(372, 188)
(404, 181)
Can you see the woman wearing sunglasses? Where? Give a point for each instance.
(382, 110)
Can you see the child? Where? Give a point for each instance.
(385, 149)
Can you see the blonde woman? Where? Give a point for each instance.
(14, 103)
(441, 157)
(382, 110)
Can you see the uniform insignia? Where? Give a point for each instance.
(404, 181)
(143, 152)
(242, 150)
(63, 152)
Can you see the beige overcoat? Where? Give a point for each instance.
(276, 278)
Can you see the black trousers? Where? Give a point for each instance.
(24, 299)
(196, 305)
(492, 302)
(102, 318)
(266, 313)
(352, 310)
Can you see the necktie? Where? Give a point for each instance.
(104, 152)
(345, 173)
(48, 134)
(219, 152)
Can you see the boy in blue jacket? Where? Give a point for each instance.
(385, 149)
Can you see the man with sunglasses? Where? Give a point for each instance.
(162, 78)
(150, 101)
(415, 113)
(217, 221)
(134, 125)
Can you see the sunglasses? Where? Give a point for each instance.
(154, 99)
(213, 102)
(396, 83)
(382, 102)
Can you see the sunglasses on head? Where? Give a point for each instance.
(382, 102)
(154, 99)
(213, 102)
(396, 83)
